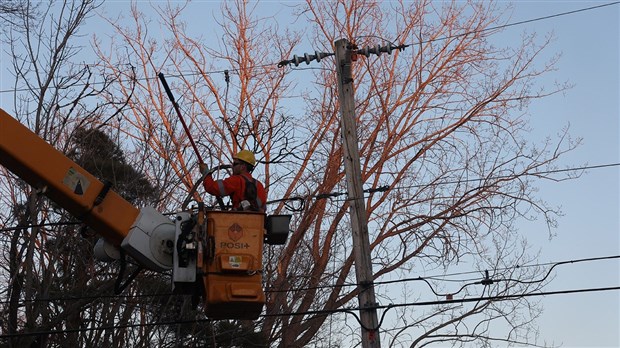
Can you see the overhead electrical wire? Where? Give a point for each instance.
(503, 26)
(425, 279)
(262, 66)
(321, 196)
(386, 282)
(316, 313)
(353, 311)
(487, 280)
(387, 187)
(370, 190)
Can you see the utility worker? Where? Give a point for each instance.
(247, 193)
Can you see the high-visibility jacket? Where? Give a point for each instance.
(234, 186)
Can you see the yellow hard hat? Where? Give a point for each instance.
(246, 156)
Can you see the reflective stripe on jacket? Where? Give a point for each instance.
(234, 186)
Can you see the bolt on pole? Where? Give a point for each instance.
(357, 210)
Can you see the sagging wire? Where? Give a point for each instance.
(328, 312)
(387, 307)
(559, 264)
(486, 281)
(301, 200)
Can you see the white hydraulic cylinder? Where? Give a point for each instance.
(151, 240)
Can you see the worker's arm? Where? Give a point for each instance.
(225, 187)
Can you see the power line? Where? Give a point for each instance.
(386, 188)
(352, 311)
(387, 282)
(299, 59)
(521, 22)
(490, 280)
(500, 297)
(425, 279)
(367, 51)
(95, 297)
(325, 312)
(369, 190)
(540, 173)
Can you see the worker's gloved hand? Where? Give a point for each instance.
(203, 168)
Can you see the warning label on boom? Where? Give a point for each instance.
(76, 181)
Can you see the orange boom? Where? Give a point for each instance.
(216, 254)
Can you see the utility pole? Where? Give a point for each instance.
(357, 210)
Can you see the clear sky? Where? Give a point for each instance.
(589, 44)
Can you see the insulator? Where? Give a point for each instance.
(389, 48)
(305, 58)
(318, 56)
(297, 60)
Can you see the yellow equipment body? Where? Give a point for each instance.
(232, 275)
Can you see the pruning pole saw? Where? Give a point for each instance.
(204, 173)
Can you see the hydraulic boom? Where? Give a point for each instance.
(215, 253)
(77, 191)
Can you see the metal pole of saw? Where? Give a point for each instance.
(176, 107)
(162, 78)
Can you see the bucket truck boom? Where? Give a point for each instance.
(218, 252)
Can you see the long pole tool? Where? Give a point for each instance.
(162, 78)
(176, 107)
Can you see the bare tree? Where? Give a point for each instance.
(52, 286)
(443, 155)
(226, 110)
(10, 10)
(441, 135)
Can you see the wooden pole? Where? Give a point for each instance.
(357, 210)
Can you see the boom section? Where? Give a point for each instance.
(42, 166)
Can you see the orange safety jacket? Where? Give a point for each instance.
(234, 186)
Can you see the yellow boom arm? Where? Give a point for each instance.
(62, 180)
(220, 252)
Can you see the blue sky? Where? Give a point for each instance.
(589, 44)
